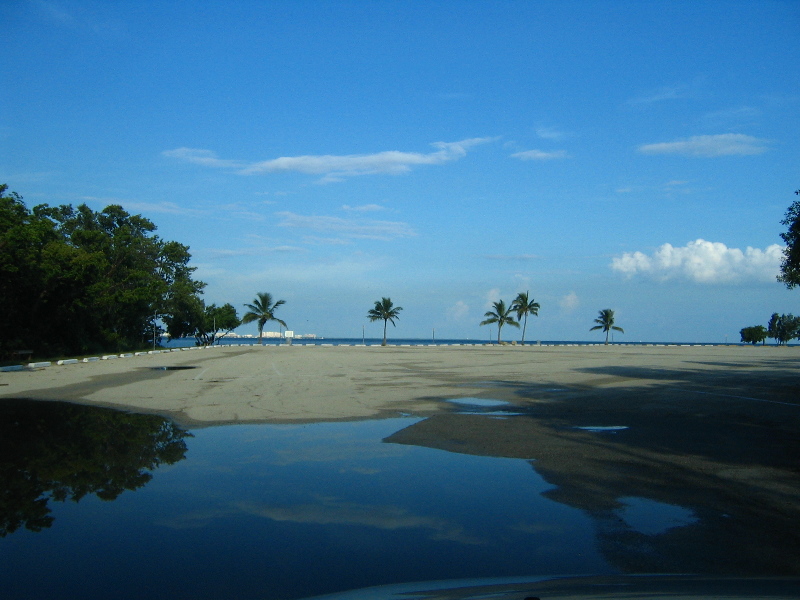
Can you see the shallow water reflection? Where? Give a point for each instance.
(55, 452)
(297, 510)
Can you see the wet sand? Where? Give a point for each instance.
(714, 429)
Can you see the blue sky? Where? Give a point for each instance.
(637, 156)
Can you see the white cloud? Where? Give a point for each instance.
(352, 228)
(335, 167)
(540, 155)
(205, 158)
(726, 144)
(674, 92)
(259, 251)
(550, 133)
(512, 257)
(458, 311)
(492, 296)
(732, 116)
(363, 208)
(144, 207)
(569, 302)
(703, 262)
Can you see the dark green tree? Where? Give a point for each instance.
(204, 323)
(605, 321)
(524, 306)
(783, 328)
(500, 315)
(754, 335)
(262, 310)
(74, 280)
(790, 267)
(384, 310)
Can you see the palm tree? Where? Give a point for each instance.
(501, 315)
(384, 309)
(262, 310)
(605, 321)
(524, 306)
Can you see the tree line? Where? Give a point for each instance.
(782, 328)
(74, 280)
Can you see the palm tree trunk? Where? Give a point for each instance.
(499, 329)
(607, 337)
(384, 332)
(524, 326)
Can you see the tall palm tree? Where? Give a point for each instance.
(605, 321)
(524, 306)
(262, 310)
(500, 315)
(385, 310)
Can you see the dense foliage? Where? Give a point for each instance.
(783, 328)
(790, 268)
(500, 315)
(74, 280)
(385, 310)
(605, 321)
(753, 335)
(262, 310)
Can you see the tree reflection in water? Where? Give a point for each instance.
(59, 451)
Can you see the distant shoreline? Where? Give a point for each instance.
(248, 341)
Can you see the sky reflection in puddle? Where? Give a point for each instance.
(297, 510)
(603, 428)
(483, 406)
(480, 402)
(653, 518)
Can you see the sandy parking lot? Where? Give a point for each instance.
(715, 429)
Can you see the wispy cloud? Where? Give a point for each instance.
(255, 251)
(458, 312)
(512, 257)
(351, 228)
(737, 116)
(363, 208)
(335, 167)
(703, 262)
(540, 155)
(144, 207)
(205, 158)
(569, 302)
(550, 133)
(726, 144)
(665, 93)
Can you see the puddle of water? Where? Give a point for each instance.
(653, 518)
(287, 511)
(480, 402)
(603, 428)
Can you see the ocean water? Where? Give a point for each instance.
(228, 341)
